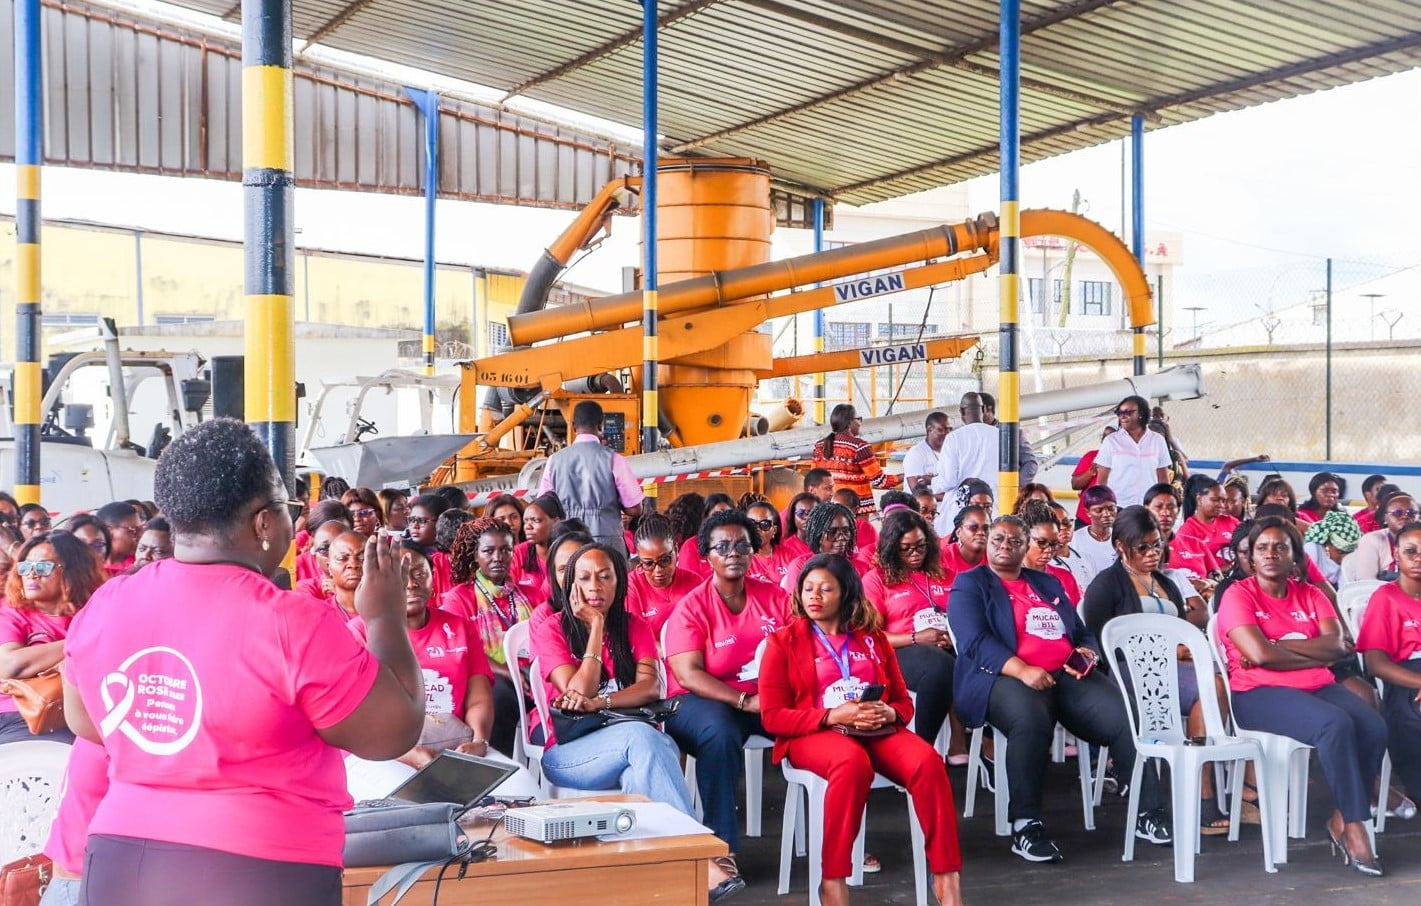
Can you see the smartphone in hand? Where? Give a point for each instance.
(872, 693)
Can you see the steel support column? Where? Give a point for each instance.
(29, 155)
(428, 104)
(650, 406)
(1008, 379)
(269, 278)
(819, 316)
(1137, 224)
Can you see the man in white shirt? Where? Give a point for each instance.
(920, 462)
(1133, 458)
(968, 452)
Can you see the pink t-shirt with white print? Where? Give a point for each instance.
(730, 642)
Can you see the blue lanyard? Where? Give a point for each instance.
(926, 594)
(841, 656)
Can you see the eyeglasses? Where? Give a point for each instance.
(1046, 544)
(1410, 553)
(1124, 412)
(801, 513)
(763, 525)
(294, 508)
(1011, 541)
(362, 513)
(1145, 547)
(722, 548)
(665, 561)
(839, 533)
(419, 520)
(36, 523)
(919, 548)
(41, 568)
(1401, 514)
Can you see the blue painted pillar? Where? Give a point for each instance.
(428, 104)
(819, 316)
(1008, 378)
(29, 155)
(650, 405)
(1137, 224)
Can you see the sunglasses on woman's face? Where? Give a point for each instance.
(665, 561)
(40, 568)
(763, 525)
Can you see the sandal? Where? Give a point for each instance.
(1212, 821)
(871, 866)
(1248, 813)
(733, 882)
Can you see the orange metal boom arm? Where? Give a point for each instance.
(929, 350)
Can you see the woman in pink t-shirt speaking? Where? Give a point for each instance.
(1281, 635)
(224, 702)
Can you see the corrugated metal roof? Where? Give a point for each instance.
(864, 100)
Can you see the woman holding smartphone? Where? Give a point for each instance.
(1025, 662)
(832, 695)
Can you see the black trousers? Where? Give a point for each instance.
(1403, 729)
(1090, 708)
(505, 715)
(927, 670)
(124, 871)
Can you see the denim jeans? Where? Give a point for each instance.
(61, 892)
(714, 733)
(632, 757)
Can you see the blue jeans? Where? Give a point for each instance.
(61, 892)
(1349, 736)
(714, 733)
(632, 757)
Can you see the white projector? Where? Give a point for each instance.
(569, 821)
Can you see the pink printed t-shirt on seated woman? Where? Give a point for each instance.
(730, 642)
(208, 684)
(829, 655)
(1041, 638)
(917, 604)
(655, 605)
(449, 652)
(1298, 615)
(1392, 624)
(25, 627)
(547, 643)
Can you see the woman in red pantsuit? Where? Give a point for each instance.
(811, 679)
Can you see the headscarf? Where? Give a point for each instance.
(1335, 528)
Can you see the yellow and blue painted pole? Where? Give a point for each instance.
(29, 155)
(650, 406)
(819, 316)
(267, 189)
(1137, 223)
(428, 104)
(1009, 262)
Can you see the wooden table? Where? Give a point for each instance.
(668, 870)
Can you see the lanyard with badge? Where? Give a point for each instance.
(847, 687)
(934, 616)
(506, 620)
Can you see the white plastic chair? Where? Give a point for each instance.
(792, 836)
(31, 774)
(1284, 769)
(515, 649)
(1352, 603)
(1149, 644)
(540, 701)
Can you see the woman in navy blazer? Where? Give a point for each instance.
(1016, 631)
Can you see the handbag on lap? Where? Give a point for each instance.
(23, 881)
(39, 699)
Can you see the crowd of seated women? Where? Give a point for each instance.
(754, 622)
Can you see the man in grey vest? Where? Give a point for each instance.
(594, 484)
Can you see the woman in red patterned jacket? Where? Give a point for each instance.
(850, 460)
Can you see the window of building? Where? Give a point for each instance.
(182, 319)
(69, 319)
(498, 335)
(1095, 297)
(845, 334)
(1038, 301)
(904, 331)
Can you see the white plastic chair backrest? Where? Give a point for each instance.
(540, 697)
(515, 648)
(1216, 645)
(663, 670)
(31, 774)
(1145, 645)
(1352, 601)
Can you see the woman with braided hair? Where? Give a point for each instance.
(686, 513)
(850, 459)
(656, 584)
(485, 594)
(828, 530)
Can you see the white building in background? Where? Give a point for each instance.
(1096, 304)
(1377, 310)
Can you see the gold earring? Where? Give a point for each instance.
(266, 545)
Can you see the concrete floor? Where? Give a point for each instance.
(1092, 872)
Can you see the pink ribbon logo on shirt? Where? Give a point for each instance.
(158, 704)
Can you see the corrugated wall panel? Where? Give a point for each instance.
(125, 93)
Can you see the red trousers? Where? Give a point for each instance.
(849, 763)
